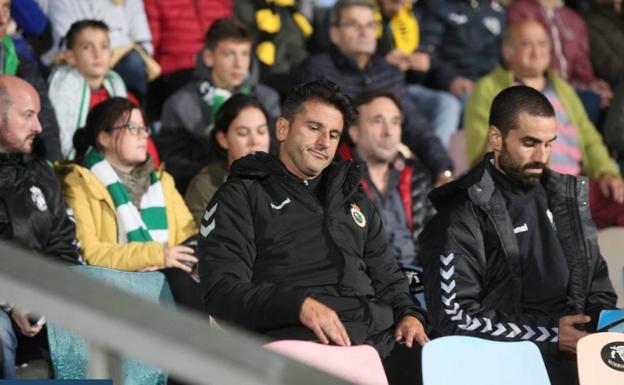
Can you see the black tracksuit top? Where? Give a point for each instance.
(266, 243)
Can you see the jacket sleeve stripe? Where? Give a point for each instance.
(484, 325)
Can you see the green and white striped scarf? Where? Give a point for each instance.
(70, 96)
(151, 223)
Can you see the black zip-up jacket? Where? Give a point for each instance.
(259, 254)
(472, 266)
(32, 211)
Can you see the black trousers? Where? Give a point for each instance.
(561, 369)
(184, 289)
(403, 365)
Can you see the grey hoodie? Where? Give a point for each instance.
(185, 107)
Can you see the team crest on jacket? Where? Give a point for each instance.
(38, 199)
(357, 215)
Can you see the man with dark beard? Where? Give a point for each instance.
(512, 254)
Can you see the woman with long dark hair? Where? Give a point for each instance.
(241, 128)
(128, 215)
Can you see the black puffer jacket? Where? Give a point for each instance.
(259, 254)
(473, 270)
(32, 211)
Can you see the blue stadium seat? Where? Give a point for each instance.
(461, 360)
(608, 317)
(68, 351)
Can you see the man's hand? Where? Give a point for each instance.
(21, 319)
(612, 187)
(324, 322)
(419, 61)
(176, 254)
(603, 90)
(409, 330)
(398, 58)
(461, 85)
(568, 334)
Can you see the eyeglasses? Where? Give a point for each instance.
(136, 130)
(352, 24)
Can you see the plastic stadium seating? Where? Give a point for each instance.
(600, 358)
(460, 360)
(69, 351)
(607, 317)
(610, 241)
(359, 364)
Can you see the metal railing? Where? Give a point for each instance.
(117, 324)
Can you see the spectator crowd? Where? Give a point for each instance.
(298, 167)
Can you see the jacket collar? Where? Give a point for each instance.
(340, 179)
(343, 62)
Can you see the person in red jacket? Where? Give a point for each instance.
(178, 28)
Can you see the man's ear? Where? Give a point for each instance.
(354, 133)
(69, 57)
(507, 51)
(207, 57)
(282, 127)
(103, 139)
(220, 136)
(333, 34)
(495, 139)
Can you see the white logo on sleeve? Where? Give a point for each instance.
(521, 229)
(38, 198)
(204, 230)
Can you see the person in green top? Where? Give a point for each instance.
(241, 128)
(579, 148)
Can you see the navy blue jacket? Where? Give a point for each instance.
(464, 36)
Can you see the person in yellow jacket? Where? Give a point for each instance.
(128, 215)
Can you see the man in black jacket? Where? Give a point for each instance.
(32, 211)
(292, 248)
(47, 143)
(397, 186)
(351, 63)
(464, 38)
(512, 253)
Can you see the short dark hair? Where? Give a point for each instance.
(224, 118)
(324, 91)
(341, 5)
(79, 26)
(103, 117)
(226, 29)
(513, 101)
(368, 96)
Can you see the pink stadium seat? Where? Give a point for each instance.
(600, 358)
(359, 364)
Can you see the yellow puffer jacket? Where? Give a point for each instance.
(96, 222)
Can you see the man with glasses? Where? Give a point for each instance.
(352, 64)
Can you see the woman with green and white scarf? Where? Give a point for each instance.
(128, 215)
